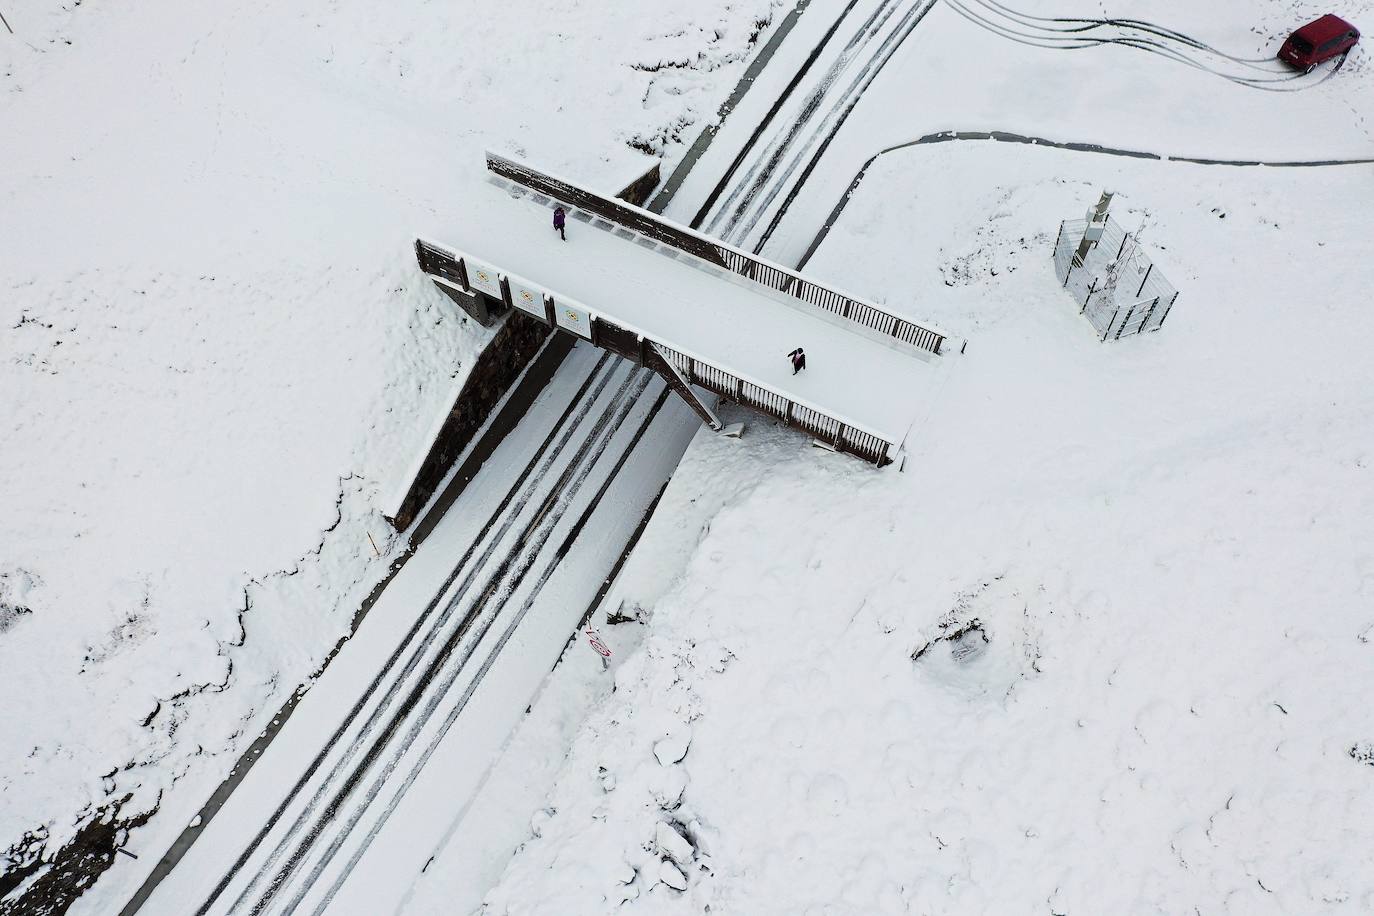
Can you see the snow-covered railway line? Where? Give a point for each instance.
(318, 832)
(313, 846)
(804, 128)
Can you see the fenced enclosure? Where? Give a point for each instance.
(1117, 287)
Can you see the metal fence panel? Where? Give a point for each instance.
(1137, 301)
(816, 423)
(440, 263)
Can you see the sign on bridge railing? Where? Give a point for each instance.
(573, 318)
(484, 278)
(527, 300)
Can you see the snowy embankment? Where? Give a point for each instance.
(1136, 579)
(218, 354)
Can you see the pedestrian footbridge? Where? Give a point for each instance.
(702, 313)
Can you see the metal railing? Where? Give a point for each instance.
(603, 332)
(741, 263)
(827, 429)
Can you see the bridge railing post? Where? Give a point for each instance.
(504, 283)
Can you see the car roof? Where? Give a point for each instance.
(1327, 27)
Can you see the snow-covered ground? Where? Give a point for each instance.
(1137, 578)
(379, 760)
(1164, 539)
(950, 74)
(217, 352)
(217, 356)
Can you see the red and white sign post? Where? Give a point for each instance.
(594, 640)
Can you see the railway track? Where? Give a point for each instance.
(362, 773)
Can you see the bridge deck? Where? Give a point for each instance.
(735, 324)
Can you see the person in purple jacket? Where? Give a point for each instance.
(798, 360)
(560, 219)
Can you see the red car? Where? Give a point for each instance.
(1319, 40)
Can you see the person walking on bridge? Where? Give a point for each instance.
(560, 219)
(798, 360)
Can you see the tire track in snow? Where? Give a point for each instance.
(1166, 43)
(301, 839)
(949, 136)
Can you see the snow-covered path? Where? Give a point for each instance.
(862, 377)
(413, 708)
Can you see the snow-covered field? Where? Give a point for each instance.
(1104, 646)
(1165, 542)
(950, 74)
(217, 354)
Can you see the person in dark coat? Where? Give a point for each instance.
(560, 219)
(798, 360)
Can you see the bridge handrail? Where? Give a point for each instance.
(737, 261)
(450, 265)
(824, 426)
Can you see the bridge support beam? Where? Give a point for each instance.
(655, 360)
(486, 310)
